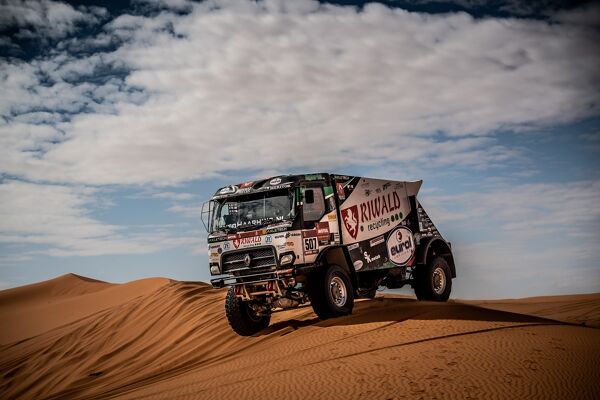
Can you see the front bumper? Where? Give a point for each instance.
(232, 280)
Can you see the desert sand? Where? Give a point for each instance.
(75, 337)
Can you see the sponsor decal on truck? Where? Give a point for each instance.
(350, 218)
(375, 208)
(401, 246)
(247, 241)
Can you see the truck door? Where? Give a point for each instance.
(313, 206)
(319, 221)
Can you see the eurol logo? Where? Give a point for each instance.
(254, 240)
(401, 246)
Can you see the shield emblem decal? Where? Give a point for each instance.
(350, 218)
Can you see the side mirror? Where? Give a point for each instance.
(206, 214)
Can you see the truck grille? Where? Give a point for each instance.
(261, 259)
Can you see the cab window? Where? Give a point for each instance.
(314, 204)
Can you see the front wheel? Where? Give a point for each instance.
(242, 318)
(433, 281)
(331, 293)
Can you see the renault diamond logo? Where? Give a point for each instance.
(247, 260)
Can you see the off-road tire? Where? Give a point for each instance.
(242, 318)
(323, 283)
(429, 284)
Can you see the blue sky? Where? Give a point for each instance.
(120, 119)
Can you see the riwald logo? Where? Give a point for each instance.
(350, 218)
(254, 240)
(379, 212)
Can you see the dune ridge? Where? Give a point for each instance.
(157, 338)
(581, 309)
(61, 286)
(34, 309)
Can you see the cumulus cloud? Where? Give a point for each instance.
(243, 85)
(587, 15)
(230, 87)
(529, 208)
(177, 196)
(45, 18)
(57, 220)
(190, 211)
(527, 239)
(510, 7)
(176, 5)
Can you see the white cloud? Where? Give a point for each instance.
(189, 211)
(177, 196)
(255, 86)
(526, 239)
(499, 269)
(587, 15)
(11, 259)
(175, 5)
(241, 88)
(45, 18)
(527, 209)
(58, 220)
(41, 212)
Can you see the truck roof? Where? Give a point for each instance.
(277, 182)
(261, 185)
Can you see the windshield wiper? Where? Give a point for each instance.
(269, 223)
(279, 222)
(224, 229)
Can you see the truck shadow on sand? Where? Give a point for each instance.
(398, 310)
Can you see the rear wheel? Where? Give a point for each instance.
(433, 281)
(242, 318)
(331, 293)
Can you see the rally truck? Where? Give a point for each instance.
(322, 238)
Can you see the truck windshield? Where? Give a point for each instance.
(252, 211)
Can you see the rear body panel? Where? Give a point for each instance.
(375, 224)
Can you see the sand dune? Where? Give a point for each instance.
(34, 309)
(72, 337)
(582, 309)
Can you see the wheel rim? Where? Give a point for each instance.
(338, 291)
(252, 313)
(439, 280)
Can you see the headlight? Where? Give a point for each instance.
(287, 259)
(214, 269)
